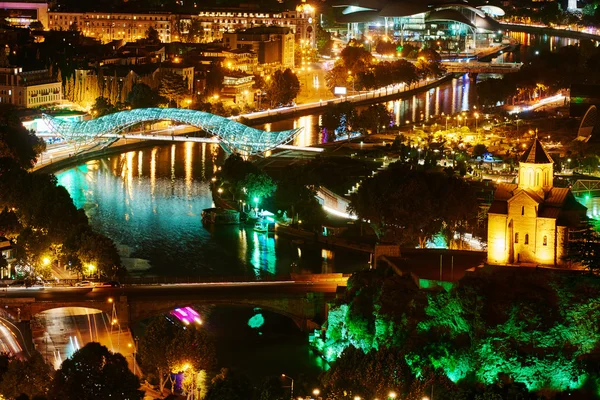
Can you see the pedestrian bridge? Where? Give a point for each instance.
(482, 67)
(233, 136)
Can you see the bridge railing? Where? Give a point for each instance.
(161, 280)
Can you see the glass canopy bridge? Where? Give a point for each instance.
(231, 135)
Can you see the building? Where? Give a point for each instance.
(238, 89)
(212, 25)
(23, 13)
(529, 222)
(29, 89)
(420, 20)
(107, 26)
(8, 252)
(274, 46)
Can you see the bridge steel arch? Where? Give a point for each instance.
(233, 136)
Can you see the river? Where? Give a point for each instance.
(150, 201)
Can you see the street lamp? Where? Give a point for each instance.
(476, 119)
(316, 392)
(291, 387)
(392, 395)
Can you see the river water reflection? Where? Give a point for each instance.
(150, 203)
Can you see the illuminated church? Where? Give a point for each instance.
(529, 222)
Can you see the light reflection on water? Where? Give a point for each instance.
(150, 203)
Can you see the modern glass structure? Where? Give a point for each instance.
(233, 136)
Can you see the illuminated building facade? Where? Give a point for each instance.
(529, 222)
(107, 26)
(274, 46)
(30, 88)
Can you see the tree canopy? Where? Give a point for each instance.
(142, 96)
(16, 143)
(407, 205)
(173, 87)
(31, 377)
(92, 373)
(282, 88)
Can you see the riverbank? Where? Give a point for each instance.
(549, 31)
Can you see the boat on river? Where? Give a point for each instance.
(220, 216)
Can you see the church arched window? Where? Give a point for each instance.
(537, 178)
(526, 238)
(545, 240)
(517, 237)
(522, 210)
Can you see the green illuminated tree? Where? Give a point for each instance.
(256, 186)
(94, 373)
(31, 377)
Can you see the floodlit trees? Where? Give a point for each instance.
(166, 349)
(282, 88)
(102, 106)
(173, 87)
(584, 248)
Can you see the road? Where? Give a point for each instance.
(212, 290)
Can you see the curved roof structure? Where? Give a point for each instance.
(234, 137)
(444, 10)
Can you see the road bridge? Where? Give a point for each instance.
(482, 67)
(305, 302)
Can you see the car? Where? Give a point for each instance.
(84, 284)
(113, 284)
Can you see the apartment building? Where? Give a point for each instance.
(29, 89)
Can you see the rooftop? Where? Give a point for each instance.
(536, 154)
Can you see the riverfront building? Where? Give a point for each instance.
(529, 222)
(29, 88)
(108, 26)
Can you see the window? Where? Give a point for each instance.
(526, 238)
(545, 240)
(523, 210)
(517, 237)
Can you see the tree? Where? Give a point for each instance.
(142, 96)
(102, 106)
(74, 27)
(584, 248)
(94, 373)
(31, 377)
(153, 349)
(479, 150)
(282, 88)
(16, 142)
(373, 119)
(271, 389)
(231, 386)
(36, 26)
(191, 348)
(97, 254)
(256, 185)
(152, 35)
(214, 79)
(406, 205)
(173, 87)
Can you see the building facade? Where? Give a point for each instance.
(107, 26)
(8, 252)
(29, 89)
(274, 46)
(529, 222)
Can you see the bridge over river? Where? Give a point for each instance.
(303, 301)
